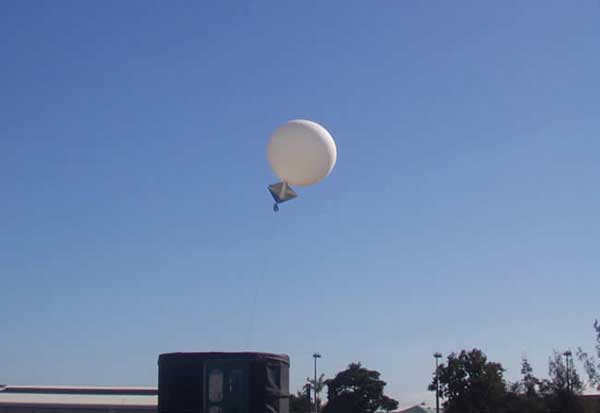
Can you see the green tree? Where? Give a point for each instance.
(388, 404)
(562, 388)
(524, 396)
(529, 382)
(591, 363)
(300, 402)
(562, 376)
(316, 387)
(471, 384)
(357, 390)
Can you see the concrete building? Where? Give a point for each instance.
(77, 399)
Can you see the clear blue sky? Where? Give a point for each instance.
(462, 212)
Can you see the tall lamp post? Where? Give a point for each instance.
(437, 382)
(568, 355)
(316, 356)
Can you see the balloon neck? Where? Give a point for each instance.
(283, 190)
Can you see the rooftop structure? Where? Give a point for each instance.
(77, 399)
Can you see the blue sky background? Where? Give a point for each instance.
(134, 216)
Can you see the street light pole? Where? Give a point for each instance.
(437, 383)
(316, 356)
(568, 355)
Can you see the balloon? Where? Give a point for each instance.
(301, 152)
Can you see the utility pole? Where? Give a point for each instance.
(437, 383)
(568, 355)
(316, 356)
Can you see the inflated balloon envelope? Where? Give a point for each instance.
(300, 152)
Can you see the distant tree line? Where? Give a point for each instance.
(470, 383)
(467, 383)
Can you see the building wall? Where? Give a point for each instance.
(591, 403)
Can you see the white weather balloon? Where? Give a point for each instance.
(301, 152)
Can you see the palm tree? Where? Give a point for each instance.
(318, 387)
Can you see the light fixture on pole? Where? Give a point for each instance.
(437, 382)
(316, 356)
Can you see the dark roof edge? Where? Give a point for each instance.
(224, 355)
(70, 406)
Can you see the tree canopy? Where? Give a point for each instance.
(471, 383)
(561, 389)
(591, 363)
(300, 402)
(357, 390)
